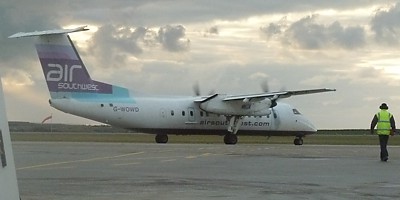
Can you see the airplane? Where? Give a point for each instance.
(8, 177)
(73, 91)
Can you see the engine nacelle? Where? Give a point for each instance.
(247, 107)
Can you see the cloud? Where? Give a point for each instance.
(274, 28)
(16, 78)
(319, 80)
(214, 30)
(271, 30)
(109, 38)
(386, 25)
(185, 12)
(173, 38)
(18, 17)
(356, 76)
(307, 34)
(258, 76)
(112, 45)
(134, 40)
(116, 45)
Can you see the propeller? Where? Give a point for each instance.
(196, 89)
(274, 99)
(264, 86)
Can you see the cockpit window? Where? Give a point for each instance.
(296, 112)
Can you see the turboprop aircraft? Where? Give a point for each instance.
(8, 177)
(73, 91)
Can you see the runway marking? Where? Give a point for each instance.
(170, 160)
(316, 159)
(79, 161)
(201, 155)
(165, 159)
(191, 157)
(123, 164)
(391, 186)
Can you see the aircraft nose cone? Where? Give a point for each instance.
(306, 125)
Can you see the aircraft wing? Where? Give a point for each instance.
(276, 95)
(205, 98)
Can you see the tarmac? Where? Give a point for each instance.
(126, 171)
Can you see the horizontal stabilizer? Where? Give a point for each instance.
(48, 32)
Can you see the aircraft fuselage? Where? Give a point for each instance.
(181, 115)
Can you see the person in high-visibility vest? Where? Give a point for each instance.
(385, 126)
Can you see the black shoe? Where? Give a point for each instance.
(384, 159)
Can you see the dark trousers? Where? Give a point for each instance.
(383, 140)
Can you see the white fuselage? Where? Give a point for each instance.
(181, 115)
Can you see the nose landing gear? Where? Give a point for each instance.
(298, 140)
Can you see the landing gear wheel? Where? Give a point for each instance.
(298, 141)
(230, 138)
(161, 138)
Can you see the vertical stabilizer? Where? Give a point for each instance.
(64, 70)
(8, 179)
(65, 73)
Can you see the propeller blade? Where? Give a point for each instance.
(196, 89)
(264, 86)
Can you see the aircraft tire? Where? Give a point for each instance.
(230, 138)
(298, 141)
(161, 138)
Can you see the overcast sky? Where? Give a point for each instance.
(231, 46)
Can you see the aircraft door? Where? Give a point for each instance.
(191, 115)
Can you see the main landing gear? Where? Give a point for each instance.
(233, 127)
(161, 138)
(230, 138)
(298, 140)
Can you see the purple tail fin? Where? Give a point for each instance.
(64, 70)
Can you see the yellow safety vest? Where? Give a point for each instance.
(383, 125)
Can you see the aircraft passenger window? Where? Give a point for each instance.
(201, 114)
(101, 105)
(172, 113)
(111, 105)
(183, 113)
(191, 113)
(296, 112)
